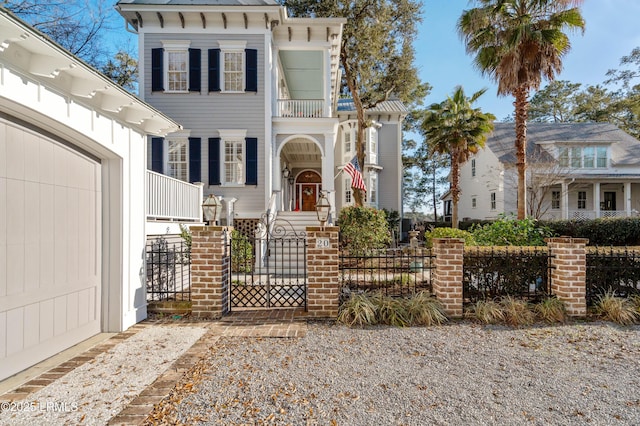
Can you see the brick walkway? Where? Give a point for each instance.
(284, 323)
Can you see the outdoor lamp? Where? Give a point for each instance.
(211, 208)
(286, 172)
(322, 209)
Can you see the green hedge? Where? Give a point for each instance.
(600, 232)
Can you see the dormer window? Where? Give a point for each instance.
(587, 157)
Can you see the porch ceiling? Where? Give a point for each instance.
(301, 153)
(303, 73)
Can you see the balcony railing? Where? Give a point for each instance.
(300, 108)
(172, 199)
(592, 214)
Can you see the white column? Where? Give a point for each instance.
(327, 83)
(596, 199)
(565, 200)
(328, 183)
(627, 199)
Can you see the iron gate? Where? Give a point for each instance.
(269, 268)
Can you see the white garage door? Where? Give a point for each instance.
(50, 246)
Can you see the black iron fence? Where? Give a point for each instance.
(494, 272)
(393, 272)
(168, 270)
(615, 269)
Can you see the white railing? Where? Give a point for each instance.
(300, 108)
(173, 199)
(592, 214)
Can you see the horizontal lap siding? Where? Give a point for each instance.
(389, 157)
(203, 113)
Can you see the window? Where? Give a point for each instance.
(233, 71)
(473, 167)
(177, 73)
(601, 157)
(587, 157)
(555, 200)
(493, 201)
(347, 142)
(474, 202)
(178, 159)
(233, 162)
(582, 200)
(347, 191)
(372, 192)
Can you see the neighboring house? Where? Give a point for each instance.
(72, 179)
(574, 171)
(257, 94)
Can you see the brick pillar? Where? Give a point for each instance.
(447, 275)
(209, 271)
(568, 275)
(323, 290)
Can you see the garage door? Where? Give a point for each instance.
(50, 246)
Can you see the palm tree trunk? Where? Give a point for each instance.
(522, 107)
(455, 188)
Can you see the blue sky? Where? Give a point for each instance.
(612, 31)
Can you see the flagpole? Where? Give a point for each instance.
(336, 176)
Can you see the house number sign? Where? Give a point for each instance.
(323, 243)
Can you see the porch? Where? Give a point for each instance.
(583, 200)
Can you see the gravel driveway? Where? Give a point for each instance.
(455, 374)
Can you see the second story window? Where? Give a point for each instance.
(233, 71)
(473, 167)
(347, 143)
(175, 67)
(587, 157)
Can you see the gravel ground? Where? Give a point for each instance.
(99, 389)
(455, 374)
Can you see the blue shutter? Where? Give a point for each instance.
(252, 161)
(157, 70)
(195, 160)
(251, 71)
(214, 161)
(214, 70)
(194, 70)
(157, 157)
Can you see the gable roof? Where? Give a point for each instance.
(625, 149)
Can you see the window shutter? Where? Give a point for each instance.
(214, 70)
(157, 70)
(214, 161)
(194, 70)
(252, 161)
(157, 157)
(251, 71)
(195, 160)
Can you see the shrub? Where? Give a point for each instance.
(241, 253)
(516, 312)
(363, 230)
(620, 310)
(551, 310)
(487, 311)
(423, 309)
(391, 311)
(359, 310)
(507, 231)
(600, 232)
(448, 233)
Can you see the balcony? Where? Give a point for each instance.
(301, 108)
(170, 199)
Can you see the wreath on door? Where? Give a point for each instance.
(308, 191)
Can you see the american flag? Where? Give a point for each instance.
(353, 169)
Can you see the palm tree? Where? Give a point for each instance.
(517, 42)
(454, 127)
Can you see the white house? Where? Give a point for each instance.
(72, 211)
(257, 94)
(575, 171)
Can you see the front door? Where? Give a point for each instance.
(309, 197)
(308, 186)
(609, 201)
